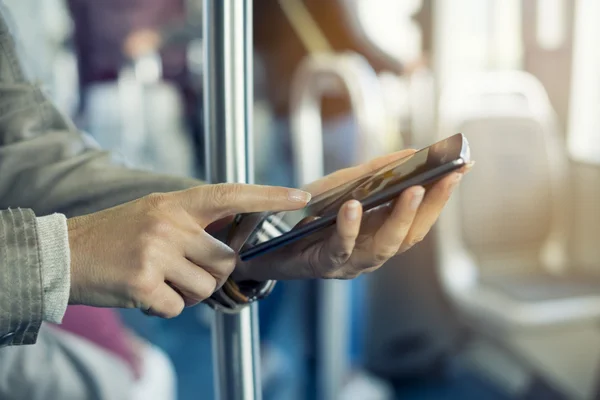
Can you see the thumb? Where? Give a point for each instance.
(210, 203)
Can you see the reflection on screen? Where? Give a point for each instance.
(361, 188)
(328, 203)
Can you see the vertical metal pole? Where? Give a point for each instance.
(228, 102)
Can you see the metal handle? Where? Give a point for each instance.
(317, 76)
(323, 74)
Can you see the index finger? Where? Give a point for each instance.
(210, 203)
(348, 174)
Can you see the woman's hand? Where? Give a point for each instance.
(358, 243)
(155, 254)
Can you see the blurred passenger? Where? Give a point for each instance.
(63, 366)
(110, 34)
(281, 50)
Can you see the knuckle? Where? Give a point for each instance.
(229, 265)
(196, 230)
(156, 227)
(348, 236)
(151, 243)
(223, 193)
(146, 250)
(410, 243)
(144, 278)
(416, 240)
(381, 258)
(383, 255)
(143, 284)
(194, 299)
(339, 258)
(355, 274)
(203, 290)
(143, 290)
(158, 200)
(209, 289)
(173, 308)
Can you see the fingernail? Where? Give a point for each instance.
(417, 198)
(299, 196)
(457, 178)
(352, 210)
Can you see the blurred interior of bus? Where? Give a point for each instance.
(500, 301)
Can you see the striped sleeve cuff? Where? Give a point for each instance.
(56, 266)
(20, 278)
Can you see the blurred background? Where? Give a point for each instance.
(501, 301)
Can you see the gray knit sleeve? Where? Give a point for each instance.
(56, 271)
(34, 274)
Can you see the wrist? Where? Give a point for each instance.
(74, 228)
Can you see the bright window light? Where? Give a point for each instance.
(584, 118)
(390, 25)
(551, 23)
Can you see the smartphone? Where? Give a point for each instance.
(256, 234)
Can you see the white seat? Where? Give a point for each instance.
(502, 238)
